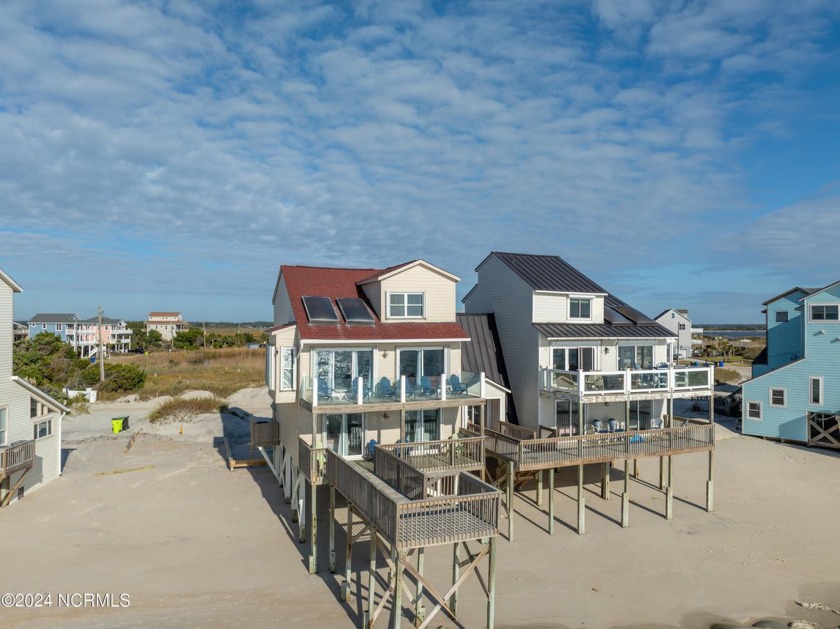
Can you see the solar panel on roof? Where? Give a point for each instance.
(319, 309)
(611, 315)
(634, 315)
(355, 310)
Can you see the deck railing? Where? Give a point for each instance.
(16, 455)
(597, 383)
(470, 512)
(364, 392)
(514, 430)
(398, 473)
(466, 453)
(312, 462)
(264, 433)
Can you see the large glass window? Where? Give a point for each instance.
(641, 412)
(580, 308)
(824, 313)
(573, 358)
(405, 305)
(566, 419)
(338, 368)
(422, 425)
(287, 368)
(345, 434)
(635, 357)
(416, 363)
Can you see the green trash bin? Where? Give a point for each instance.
(117, 424)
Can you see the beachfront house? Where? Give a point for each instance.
(30, 420)
(360, 358)
(63, 325)
(167, 323)
(794, 393)
(84, 335)
(583, 364)
(676, 321)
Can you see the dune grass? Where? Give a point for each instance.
(219, 371)
(184, 409)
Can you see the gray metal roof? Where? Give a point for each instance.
(54, 318)
(807, 291)
(601, 330)
(483, 352)
(105, 320)
(550, 273)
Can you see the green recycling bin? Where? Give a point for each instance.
(117, 424)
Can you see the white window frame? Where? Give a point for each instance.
(4, 425)
(420, 350)
(811, 381)
(596, 355)
(405, 296)
(811, 313)
(580, 299)
(58, 327)
(343, 442)
(37, 427)
(783, 391)
(283, 359)
(760, 413)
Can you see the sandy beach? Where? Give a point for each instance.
(192, 544)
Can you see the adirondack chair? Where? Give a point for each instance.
(324, 392)
(455, 384)
(385, 388)
(426, 386)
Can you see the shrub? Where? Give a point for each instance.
(119, 377)
(183, 409)
(728, 376)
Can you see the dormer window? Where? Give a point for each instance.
(406, 305)
(580, 308)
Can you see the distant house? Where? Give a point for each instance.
(794, 392)
(84, 335)
(677, 321)
(167, 323)
(30, 420)
(20, 331)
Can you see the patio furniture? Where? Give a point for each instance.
(613, 424)
(385, 388)
(324, 392)
(455, 384)
(596, 425)
(426, 385)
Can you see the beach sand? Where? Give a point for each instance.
(195, 545)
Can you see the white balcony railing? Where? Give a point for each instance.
(598, 383)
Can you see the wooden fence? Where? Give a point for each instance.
(465, 453)
(312, 462)
(264, 433)
(15, 456)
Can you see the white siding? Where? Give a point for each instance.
(503, 293)
(554, 308)
(439, 293)
(283, 306)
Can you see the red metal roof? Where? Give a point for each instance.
(302, 281)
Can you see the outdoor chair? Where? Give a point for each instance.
(385, 388)
(370, 449)
(354, 391)
(426, 385)
(656, 424)
(455, 384)
(324, 392)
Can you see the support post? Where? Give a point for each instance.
(581, 524)
(661, 472)
(491, 585)
(605, 481)
(550, 502)
(348, 556)
(419, 610)
(398, 573)
(540, 474)
(371, 580)
(332, 529)
(313, 526)
(510, 489)
(402, 424)
(710, 484)
(456, 574)
(669, 491)
(625, 496)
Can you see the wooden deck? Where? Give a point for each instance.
(467, 509)
(15, 457)
(466, 454)
(553, 452)
(264, 433)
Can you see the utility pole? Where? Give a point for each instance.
(101, 354)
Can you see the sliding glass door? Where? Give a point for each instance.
(344, 434)
(338, 368)
(422, 425)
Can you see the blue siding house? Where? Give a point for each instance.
(794, 393)
(58, 324)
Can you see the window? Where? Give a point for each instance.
(682, 326)
(57, 327)
(345, 434)
(338, 368)
(3, 426)
(405, 305)
(635, 357)
(43, 429)
(416, 363)
(287, 369)
(43, 326)
(753, 410)
(566, 418)
(641, 412)
(824, 313)
(815, 390)
(573, 358)
(422, 425)
(781, 316)
(33, 407)
(777, 397)
(580, 308)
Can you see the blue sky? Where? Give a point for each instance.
(170, 155)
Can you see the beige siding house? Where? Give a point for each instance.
(167, 323)
(30, 420)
